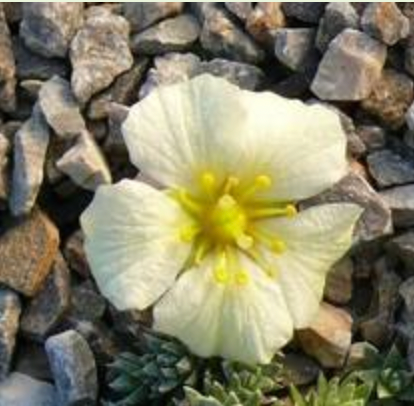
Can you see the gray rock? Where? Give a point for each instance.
(372, 136)
(22, 390)
(385, 22)
(171, 35)
(9, 324)
(99, 53)
(47, 308)
(307, 12)
(173, 68)
(48, 28)
(32, 66)
(402, 247)
(390, 98)
(406, 291)
(143, 15)
(60, 108)
(75, 255)
(389, 168)
(363, 58)
(122, 91)
(409, 117)
(7, 68)
(4, 159)
(239, 9)
(30, 146)
(294, 47)
(222, 38)
(85, 164)
(337, 17)
(338, 287)
(74, 369)
(31, 359)
(299, 369)
(400, 199)
(13, 12)
(376, 219)
(86, 303)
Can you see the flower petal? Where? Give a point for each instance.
(302, 147)
(132, 243)
(178, 131)
(246, 323)
(315, 239)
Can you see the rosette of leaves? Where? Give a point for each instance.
(335, 392)
(389, 375)
(144, 379)
(239, 385)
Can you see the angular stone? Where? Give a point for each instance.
(406, 291)
(338, 287)
(337, 17)
(359, 354)
(402, 247)
(222, 38)
(299, 369)
(122, 91)
(32, 66)
(390, 169)
(9, 324)
(376, 218)
(372, 136)
(143, 15)
(85, 164)
(409, 117)
(363, 57)
(264, 20)
(30, 146)
(60, 108)
(22, 390)
(25, 269)
(7, 68)
(307, 12)
(239, 9)
(47, 308)
(74, 369)
(4, 160)
(294, 47)
(31, 359)
(328, 338)
(172, 35)
(99, 53)
(391, 98)
(385, 22)
(400, 200)
(75, 255)
(86, 303)
(48, 28)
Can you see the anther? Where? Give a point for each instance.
(188, 202)
(244, 241)
(291, 210)
(242, 278)
(231, 183)
(260, 182)
(221, 275)
(265, 212)
(208, 182)
(278, 246)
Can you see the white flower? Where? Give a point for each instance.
(231, 266)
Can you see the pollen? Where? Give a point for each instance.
(242, 278)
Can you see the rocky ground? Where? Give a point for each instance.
(67, 73)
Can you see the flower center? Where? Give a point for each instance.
(225, 220)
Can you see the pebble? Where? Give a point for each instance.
(122, 91)
(221, 38)
(390, 98)
(375, 220)
(31, 359)
(306, 12)
(385, 22)
(337, 17)
(143, 15)
(32, 66)
(60, 108)
(48, 307)
(299, 369)
(402, 247)
(373, 136)
(409, 117)
(406, 291)
(86, 303)
(25, 270)
(295, 47)
(328, 338)
(241, 10)
(22, 390)
(338, 287)
(75, 255)
(400, 199)
(389, 168)
(264, 20)
(74, 369)
(48, 28)
(85, 164)
(171, 35)
(30, 146)
(7, 67)
(363, 57)
(99, 53)
(4, 160)
(10, 309)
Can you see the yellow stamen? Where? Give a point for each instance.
(201, 250)
(189, 204)
(209, 183)
(242, 278)
(261, 182)
(230, 184)
(264, 212)
(221, 274)
(276, 244)
(244, 241)
(187, 233)
(270, 270)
